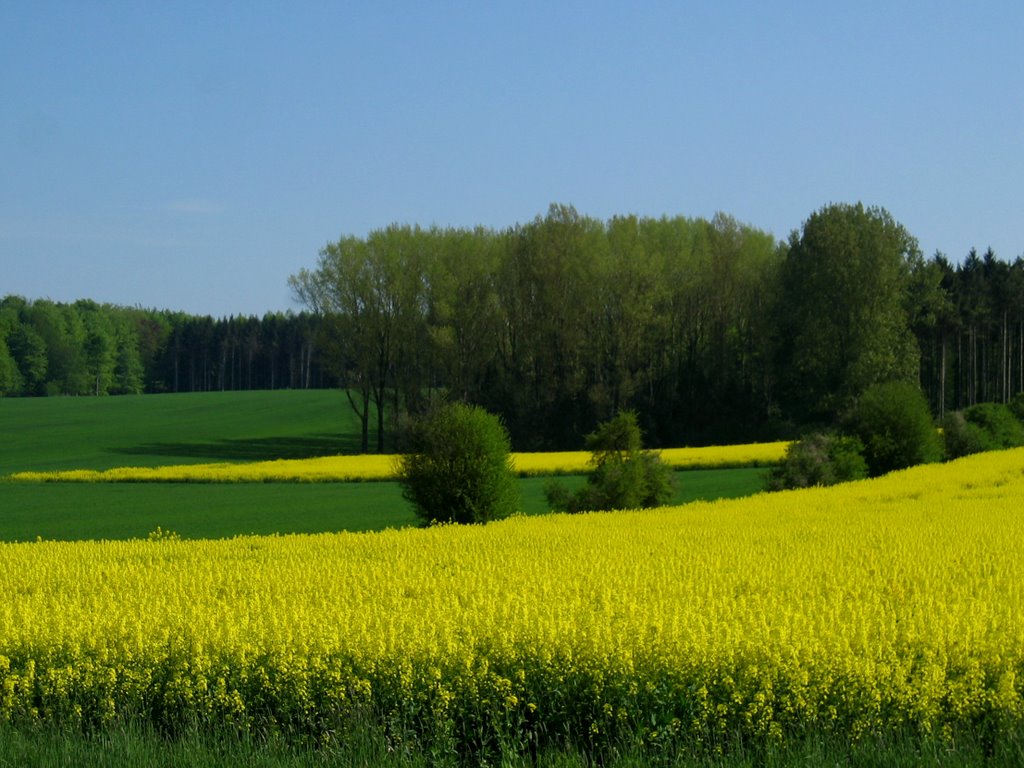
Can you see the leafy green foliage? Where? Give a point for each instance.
(87, 348)
(373, 293)
(1016, 406)
(820, 458)
(961, 437)
(894, 424)
(982, 427)
(623, 476)
(10, 377)
(708, 328)
(29, 353)
(998, 422)
(841, 321)
(459, 468)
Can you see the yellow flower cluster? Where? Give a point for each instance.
(384, 467)
(860, 608)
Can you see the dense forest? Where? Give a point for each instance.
(712, 331)
(85, 348)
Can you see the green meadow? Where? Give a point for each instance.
(153, 430)
(49, 433)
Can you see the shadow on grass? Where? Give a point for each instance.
(260, 449)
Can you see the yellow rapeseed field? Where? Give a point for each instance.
(863, 608)
(570, 462)
(383, 467)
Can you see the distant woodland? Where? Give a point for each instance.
(85, 348)
(711, 330)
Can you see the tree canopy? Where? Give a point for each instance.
(708, 329)
(558, 324)
(87, 348)
(842, 317)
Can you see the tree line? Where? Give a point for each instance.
(711, 331)
(971, 331)
(85, 348)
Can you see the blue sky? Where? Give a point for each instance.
(194, 155)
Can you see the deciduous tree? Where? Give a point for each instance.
(459, 466)
(841, 319)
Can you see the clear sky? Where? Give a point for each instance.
(193, 155)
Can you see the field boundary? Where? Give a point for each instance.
(370, 467)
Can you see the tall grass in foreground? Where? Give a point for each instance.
(858, 612)
(132, 745)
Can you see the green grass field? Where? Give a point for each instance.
(127, 510)
(149, 430)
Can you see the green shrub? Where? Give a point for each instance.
(893, 422)
(623, 475)
(659, 480)
(998, 422)
(983, 427)
(961, 437)
(459, 467)
(819, 458)
(1016, 406)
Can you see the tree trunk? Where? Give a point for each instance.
(379, 398)
(364, 416)
(959, 370)
(971, 370)
(1004, 369)
(942, 375)
(309, 363)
